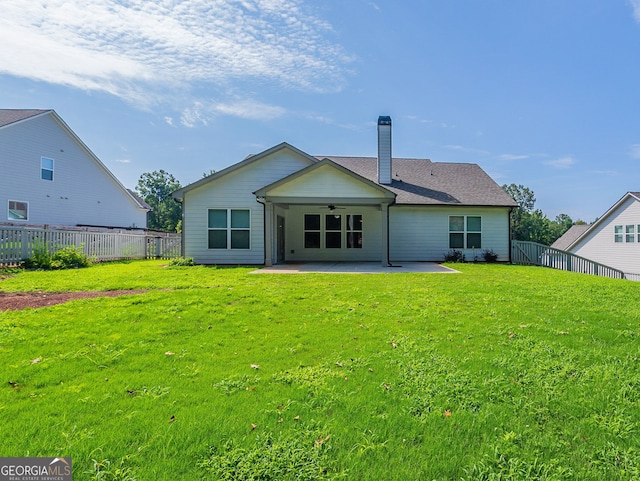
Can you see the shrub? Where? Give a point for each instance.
(454, 256)
(489, 256)
(182, 261)
(40, 259)
(70, 257)
(66, 258)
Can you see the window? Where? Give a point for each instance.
(354, 231)
(18, 210)
(333, 231)
(630, 233)
(46, 168)
(617, 234)
(465, 232)
(229, 228)
(312, 231)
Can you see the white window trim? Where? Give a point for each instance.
(228, 229)
(22, 202)
(52, 169)
(464, 231)
(323, 230)
(629, 233)
(618, 237)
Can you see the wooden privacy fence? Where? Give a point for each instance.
(541, 255)
(17, 244)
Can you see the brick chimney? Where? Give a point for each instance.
(384, 150)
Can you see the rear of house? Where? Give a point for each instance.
(284, 205)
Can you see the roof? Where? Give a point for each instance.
(139, 199)
(423, 182)
(10, 116)
(569, 237)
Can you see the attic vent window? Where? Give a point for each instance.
(46, 168)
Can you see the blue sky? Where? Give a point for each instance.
(540, 93)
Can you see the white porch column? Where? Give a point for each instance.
(268, 234)
(385, 234)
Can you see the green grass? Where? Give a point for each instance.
(498, 373)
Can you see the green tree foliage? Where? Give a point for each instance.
(529, 224)
(156, 188)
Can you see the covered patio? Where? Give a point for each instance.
(355, 268)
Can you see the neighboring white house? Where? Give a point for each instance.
(284, 205)
(49, 176)
(613, 240)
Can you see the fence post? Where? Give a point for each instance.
(25, 244)
(158, 247)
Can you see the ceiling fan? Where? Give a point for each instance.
(333, 207)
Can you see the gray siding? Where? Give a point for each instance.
(82, 191)
(234, 191)
(599, 244)
(421, 233)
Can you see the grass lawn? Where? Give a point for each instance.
(498, 373)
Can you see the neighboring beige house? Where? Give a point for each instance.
(284, 205)
(50, 177)
(613, 240)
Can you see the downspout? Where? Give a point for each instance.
(389, 264)
(264, 229)
(388, 243)
(510, 237)
(182, 217)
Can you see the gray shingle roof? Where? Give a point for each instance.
(9, 116)
(569, 237)
(422, 182)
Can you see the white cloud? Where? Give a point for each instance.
(137, 49)
(468, 150)
(123, 161)
(635, 148)
(513, 157)
(562, 162)
(635, 4)
(201, 112)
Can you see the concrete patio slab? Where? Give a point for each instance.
(355, 268)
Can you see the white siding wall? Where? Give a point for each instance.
(421, 233)
(81, 191)
(599, 245)
(234, 191)
(371, 235)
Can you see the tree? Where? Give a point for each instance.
(155, 188)
(522, 195)
(532, 225)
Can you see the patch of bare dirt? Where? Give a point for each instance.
(23, 300)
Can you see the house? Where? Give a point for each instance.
(50, 177)
(284, 205)
(612, 240)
